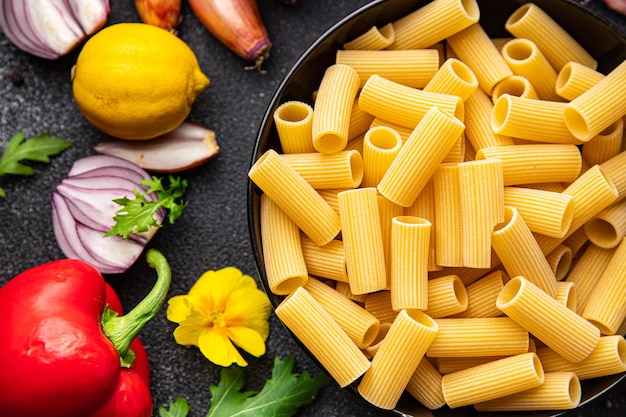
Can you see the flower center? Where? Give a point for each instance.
(218, 319)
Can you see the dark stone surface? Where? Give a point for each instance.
(35, 96)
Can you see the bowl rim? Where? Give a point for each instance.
(266, 124)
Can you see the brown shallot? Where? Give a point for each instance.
(160, 13)
(238, 25)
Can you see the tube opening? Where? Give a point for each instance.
(518, 15)
(576, 123)
(602, 233)
(294, 112)
(383, 138)
(519, 50)
(500, 112)
(329, 143)
(356, 167)
(510, 291)
(290, 284)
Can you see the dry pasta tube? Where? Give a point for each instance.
(587, 271)
(534, 120)
(388, 210)
(379, 304)
(492, 380)
(608, 228)
(409, 262)
(515, 85)
(546, 212)
(482, 208)
(605, 145)
(344, 288)
(285, 266)
(482, 296)
(608, 358)
(373, 39)
(535, 163)
(560, 261)
(293, 121)
(326, 261)
(446, 296)
(342, 169)
(360, 121)
(566, 294)
(448, 225)
(412, 67)
(330, 196)
(615, 170)
(606, 307)
(474, 47)
(424, 207)
(404, 132)
(322, 336)
(425, 385)
(531, 22)
(574, 79)
(381, 144)
(359, 324)
(396, 360)
(372, 349)
(292, 194)
(333, 105)
(478, 336)
(599, 107)
(548, 320)
(559, 391)
(525, 59)
(478, 108)
(422, 28)
(453, 77)
(404, 105)
(362, 240)
(576, 241)
(420, 156)
(448, 365)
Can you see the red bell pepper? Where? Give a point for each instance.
(64, 353)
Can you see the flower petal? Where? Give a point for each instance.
(178, 308)
(249, 308)
(217, 347)
(211, 291)
(247, 339)
(190, 329)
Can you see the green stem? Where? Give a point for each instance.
(121, 330)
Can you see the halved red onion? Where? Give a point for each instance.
(51, 28)
(187, 146)
(83, 211)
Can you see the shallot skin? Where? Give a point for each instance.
(237, 24)
(160, 13)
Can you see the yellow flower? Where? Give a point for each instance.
(223, 309)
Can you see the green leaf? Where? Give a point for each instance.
(38, 149)
(137, 214)
(281, 396)
(179, 408)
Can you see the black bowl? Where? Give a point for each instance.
(603, 39)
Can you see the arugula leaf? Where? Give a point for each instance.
(179, 408)
(281, 396)
(38, 148)
(137, 214)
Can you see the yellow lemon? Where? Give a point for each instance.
(136, 81)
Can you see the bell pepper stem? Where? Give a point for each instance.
(121, 330)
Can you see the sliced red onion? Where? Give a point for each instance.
(83, 211)
(51, 28)
(187, 146)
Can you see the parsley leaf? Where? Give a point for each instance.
(137, 214)
(281, 396)
(179, 408)
(38, 148)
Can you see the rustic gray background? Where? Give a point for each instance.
(213, 232)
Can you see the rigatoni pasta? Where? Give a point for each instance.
(374, 39)
(343, 169)
(285, 266)
(293, 120)
(453, 77)
(272, 174)
(322, 336)
(551, 322)
(410, 67)
(325, 261)
(333, 105)
(381, 144)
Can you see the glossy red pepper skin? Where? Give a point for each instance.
(132, 396)
(56, 359)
